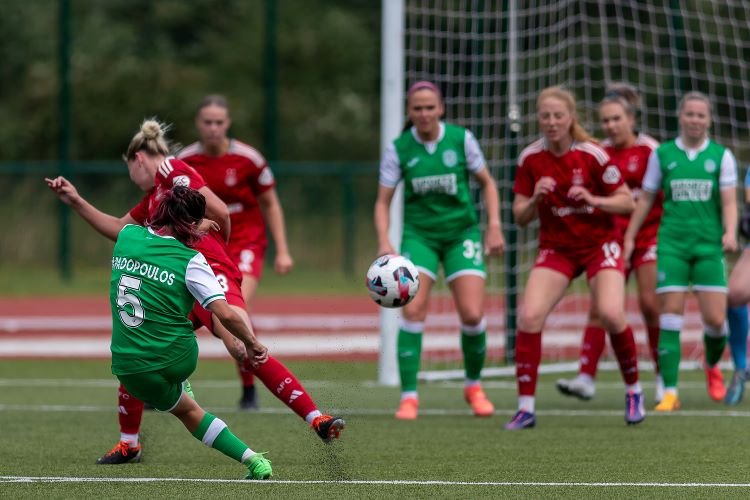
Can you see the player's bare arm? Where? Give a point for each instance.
(237, 326)
(642, 208)
(525, 208)
(494, 242)
(729, 218)
(273, 214)
(382, 217)
(217, 211)
(105, 224)
(619, 202)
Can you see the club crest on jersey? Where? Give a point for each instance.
(633, 164)
(450, 158)
(611, 175)
(710, 166)
(181, 180)
(230, 177)
(577, 177)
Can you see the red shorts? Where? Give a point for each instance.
(572, 262)
(233, 292)
(249, 258)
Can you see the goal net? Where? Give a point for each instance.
(492, 57)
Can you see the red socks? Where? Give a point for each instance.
(285, 386)
(129, 411)
(246, 373)
(592, 347)
(653, 344)
(627, 354)
(528, 357)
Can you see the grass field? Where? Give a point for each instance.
(58, 417)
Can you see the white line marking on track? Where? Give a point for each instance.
(32, 479)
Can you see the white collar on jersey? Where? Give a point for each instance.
(432, 145)
(691, 153)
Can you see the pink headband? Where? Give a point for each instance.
(421, 85)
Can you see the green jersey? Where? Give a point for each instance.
(155, 283)
(691, 181)
(437, 197)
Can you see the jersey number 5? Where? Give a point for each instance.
(131, 311)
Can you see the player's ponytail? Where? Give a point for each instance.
(180, 210)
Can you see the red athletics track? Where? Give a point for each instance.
(343, 327)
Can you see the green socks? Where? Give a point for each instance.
(214, 433)
(669, 356)
(474, 347)
(409, 352)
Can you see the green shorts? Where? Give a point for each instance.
(463, 255)
(705, 271)
(162, 388)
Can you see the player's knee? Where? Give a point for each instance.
(650, 311)
(612, 319)
(472, 318)
(531, 321)
(714, 323)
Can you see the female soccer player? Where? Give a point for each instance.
(155, 172)
(436, 159)
(628, 150)
(567, 181)
(156, 280)
(240, 176)
(698, 178)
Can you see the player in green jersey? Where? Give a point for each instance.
(156, 278)
(436, 161)
(698, 177)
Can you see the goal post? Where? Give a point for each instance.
(492, 57)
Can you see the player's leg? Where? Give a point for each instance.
(544, 289)
(644, 263)
(424, 255)
(737, 317)
(592, 347)
(608, 291)
(129, 415)
(465, 274)
(249, 260)
(710, 284)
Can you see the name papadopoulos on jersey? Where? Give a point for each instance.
(141, 268)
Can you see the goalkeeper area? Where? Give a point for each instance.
(491, 58)
(56, 423)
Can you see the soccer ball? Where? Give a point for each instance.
(392, 281)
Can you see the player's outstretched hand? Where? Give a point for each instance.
(258, 351)
(207, 225)
(64, 189)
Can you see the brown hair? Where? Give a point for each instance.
(213, 100)
(694, 95)
(181, 209)
(577, 132)
(150, 138)
(416, 87)
(625, 95)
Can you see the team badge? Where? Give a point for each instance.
(577, 177)
(230, 177)
(710, 166)
(181, 180)
(611, 175)
(450, 158)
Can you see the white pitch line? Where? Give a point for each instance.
(404, 482)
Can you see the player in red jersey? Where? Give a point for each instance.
(154, 172)
(567, 181)
(240, 176)
(628, 150)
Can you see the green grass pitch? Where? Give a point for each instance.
(59, 416)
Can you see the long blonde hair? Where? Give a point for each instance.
(577, 132)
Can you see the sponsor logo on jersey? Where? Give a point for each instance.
(611, 175)
(577, 177)
(412, 163)
(691, 189)
(633, 164)
(266, 177)
(444, 184)
(450, 158)
(710, 166)
(181, 180)
(230, 177)
(565, 211)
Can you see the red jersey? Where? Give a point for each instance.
(564, 222)
(238, 177)
(632, 162)
(174, 172)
